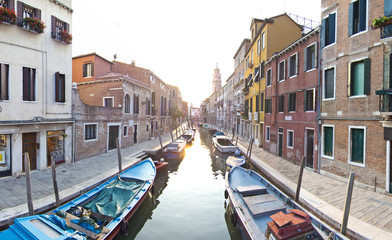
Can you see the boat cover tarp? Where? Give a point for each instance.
(113, 199)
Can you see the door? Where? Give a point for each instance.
(134, 134)
(280, 142)
(152, 129)
(113, 135)
(30, 146)
(309, 148)
(390, 168)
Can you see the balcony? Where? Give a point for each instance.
(385, 101)
(256, 116)
(386, 33)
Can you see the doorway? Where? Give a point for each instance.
(30, 146)
(309, 143)
(134, 134)
(113, 135)
(280, 142)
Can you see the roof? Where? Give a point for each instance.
(239, 48)
(111, 76)
(91, 54)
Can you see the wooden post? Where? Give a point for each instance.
(251, 147)
(176, 132)
(236, 141)
(301, 172)
(160, 141)
(28, 183)
(250, 142)
(119, 155)
(55, 188)
(171, 134)
(347, 204)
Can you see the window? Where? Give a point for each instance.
(357, 17)
(357, 143)
(281, 103)
(267, 134)
(387, 8)
(135, 104)
(281, 70)
(359, 78)
(262, 40)
(125, 131)
(148, 106)
(60, 29)
(328, 31)
(293, 65)
(153, 103)
(269, 77)
(329, 83)
(29, 82)
(291, 102)
(90, 131)
(251, 105)
(258, 46)
(328, 141)
(257, 103)
(251, 57)
(268, 105)
(24, 12)
(4, 81)
(7, 4)
(261, 102)
(127, 104)
(310, 57)
(60, 87)
(147, 127)
(4, 4)
(88, 70)
(262, 70)
(309, 100)
(290, 139)
(108, 101)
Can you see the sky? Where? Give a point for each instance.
(181, 41)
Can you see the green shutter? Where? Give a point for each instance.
(328, 141)
(366, 89)
(362, 15)
(387, 7)
(305, 59)
(323, 31)
(331, 28)
(357, 142)
(350, 19)
(92, 69)
(261, 102)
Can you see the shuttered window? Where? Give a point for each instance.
(293, 65)
(251, 105)
(309, 100)
(328, 141)
(310, 57)
(357, 17)
(329, 83)
(268, 105)
(59, 87)
(290, 138)
(127, 104)
(261, 102)
(90, 132)
(281, 70)
(359, 78)
(135, 104)
(357, 145)
(328, 30)
(29, 84)
(4, 81)
(291, 102)
(88, 70)
(269, 77)
(108, 102)
(257, 103)
(281, 103)
(246, 107)
(267, 134)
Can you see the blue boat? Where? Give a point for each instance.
(218, 133)
(97, 214)
(261, 211)
(175, 149)
(233, 161)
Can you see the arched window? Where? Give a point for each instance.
(127, 104)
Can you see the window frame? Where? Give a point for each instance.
(59, 86)
(366, 20)
(9, 80)
(289, 102)
(323, 141)
(314, 100)
(268, 105)
(262, 41)
(323, 42)
(287, 139)
(350, 146)
(127, 110)
(35, 84)
(267, 133)
(269, 80)
(84, 132)
(315, 57)
(125, 130)
(87, 72)
(296, 66)
(281, 103)
(366, 60)
(284, 70)
(334, 83)
(103, 102)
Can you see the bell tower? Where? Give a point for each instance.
(216, 80)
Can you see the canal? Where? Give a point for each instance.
(188, 199)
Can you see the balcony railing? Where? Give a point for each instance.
(385, 100)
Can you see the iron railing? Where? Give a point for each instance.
(385, 100)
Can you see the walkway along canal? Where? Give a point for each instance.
(188, 199)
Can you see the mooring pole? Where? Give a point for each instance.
(236, 141)
(119, 155)
(301, 172)
(55, 188)
(171, 134)
(247, 151)
(251, 147)
(28, 183)
(347, 204)
(160, 140)
(176, 132)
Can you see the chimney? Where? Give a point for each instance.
(133, 63)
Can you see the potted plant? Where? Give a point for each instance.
(33, 24)
(7, 15)
(65, 36)
(381, 21)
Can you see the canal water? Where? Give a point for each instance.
(188, 199)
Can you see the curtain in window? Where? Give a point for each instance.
(4, 81)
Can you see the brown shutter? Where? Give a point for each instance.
(19, 12)
(38, 13)
(53, 26)
(32, 82)
(57, 86)
(11, 4)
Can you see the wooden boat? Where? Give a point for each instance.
(233, 161)
(218, 133)
(175, 149)
(261, 211)
(97, 214)
(189, 136)
(224, 144)
(160, 165)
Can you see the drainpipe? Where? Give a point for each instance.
(318, 118)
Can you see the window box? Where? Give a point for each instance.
(66, 37)
(32, 24)
(7, 16)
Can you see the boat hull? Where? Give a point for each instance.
(229, 147)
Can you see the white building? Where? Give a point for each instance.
(35, 85)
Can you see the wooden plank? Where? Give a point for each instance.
(119, 155)
(56, 190)
(269, 208)
(259, 199)
(251, 190)
(28, 183)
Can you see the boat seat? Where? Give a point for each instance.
(266, 204)
(251, 190)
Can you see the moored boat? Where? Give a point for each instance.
(189, 136)
(261, 211)
(97, 214)
(233, 161)
(175, 149)
(160, 165)
(218, 133)
(224, 144)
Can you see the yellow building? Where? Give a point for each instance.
(268, 36)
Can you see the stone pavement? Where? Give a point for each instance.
(370, 212)
(73, 179)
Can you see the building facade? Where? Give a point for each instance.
(35, 83)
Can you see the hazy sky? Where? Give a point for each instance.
(179, 40)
